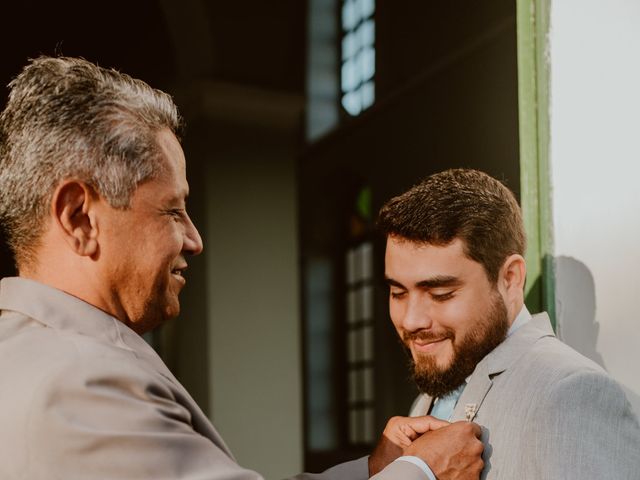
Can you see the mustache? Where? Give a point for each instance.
(426, 335)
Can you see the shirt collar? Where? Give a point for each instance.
(523, 317)
(62, 311)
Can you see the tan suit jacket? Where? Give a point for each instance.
(84, 397)
(547, 412)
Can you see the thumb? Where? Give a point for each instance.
(425, 423)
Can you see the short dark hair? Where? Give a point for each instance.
(67, 117)
(459, 203)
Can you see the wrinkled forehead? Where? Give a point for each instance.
(171, 174)
(172, 151)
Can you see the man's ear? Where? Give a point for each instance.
(512, 276)
(73, 206)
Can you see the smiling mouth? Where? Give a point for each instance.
(426, 343)
(422, 343)
(428, 346)
(178, 274)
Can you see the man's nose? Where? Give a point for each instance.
(417, 314)
(193, 241)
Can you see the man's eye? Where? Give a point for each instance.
(442, 297)
(175, 213)
(397, 295)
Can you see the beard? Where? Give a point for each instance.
(488, 332)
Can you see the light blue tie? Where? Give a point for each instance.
(443, 408)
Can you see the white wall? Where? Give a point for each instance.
(253, 308)
(595, 169)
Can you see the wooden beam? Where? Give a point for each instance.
(533, 97)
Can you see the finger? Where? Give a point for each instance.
(409, 433)
(425, 423)
(474, 427)
(477, 429)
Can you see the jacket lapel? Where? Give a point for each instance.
(479, 384)
(499, 360)
(480, 381)
(421, 406)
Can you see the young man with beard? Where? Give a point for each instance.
(456, 272)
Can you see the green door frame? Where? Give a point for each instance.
(533, 99)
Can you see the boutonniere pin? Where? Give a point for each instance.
(470, 410)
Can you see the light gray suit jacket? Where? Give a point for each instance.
(547, 412)
(84, 397)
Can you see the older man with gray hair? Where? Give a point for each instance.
(93, 196)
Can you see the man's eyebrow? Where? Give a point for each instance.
(434, 282)
(439, 282)
(392, 283)
(179, 197)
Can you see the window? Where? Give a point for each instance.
(358, 55)
(360, 355)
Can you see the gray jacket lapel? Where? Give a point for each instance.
(473, 394)
(499, 360)
(421, 405)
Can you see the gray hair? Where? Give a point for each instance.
(68, 118)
